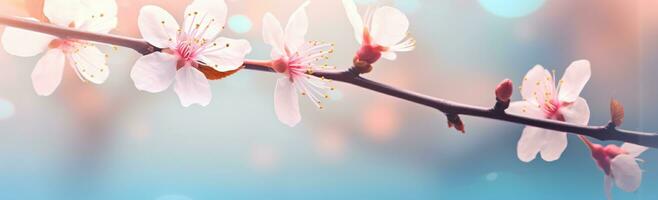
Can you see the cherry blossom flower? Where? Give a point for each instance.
(296, 59)
(89, 63)
(542, 99)
(619, 164)
(382, 33)
(186, 50)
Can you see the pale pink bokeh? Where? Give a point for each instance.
(264, 158)
(331, 144)
(380, 121)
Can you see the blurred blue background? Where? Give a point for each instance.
(114, 142)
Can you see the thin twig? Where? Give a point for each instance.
(606, 132)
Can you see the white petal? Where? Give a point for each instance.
(154, 72)
(286, 102)
(577, 112)
(355, 19)
(228, 54)
(407, 45)
(100, 25)
(530, 143)
(554, 144)
(626, 172)
(297, 28)
(152, 28)
(62, 12)
(208, 15)
(389, 26)
(90, 63)
(574, 80)
(607, 186)
(192, 87)
(273, 35)
(20, 42)
(537, 85)
(551, 144)
(389, 55)
(108, 8)
(525, 108)
(99, 16)
(633, 150)
(48, 73)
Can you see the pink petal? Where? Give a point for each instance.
(633, 150)
(104, 14)
(355, 19)
(273, 35)
(24, 43)
(574, 80)
(389, 55)
(207, 13)
(389, 26)
(297, 28)
(530, 143)
(537, 85)
(554, 144)
(227, 55)
(577, 112)
(152, 28)
(90, 63)
(627, 173)
(108, 8)
(525, 108)
(534, 140)
(48, 72)
(192, 87)
(286, 102)
(154, 72)
(62, 12)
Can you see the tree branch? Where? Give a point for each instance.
(351, 76)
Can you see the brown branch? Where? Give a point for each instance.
(351, 76)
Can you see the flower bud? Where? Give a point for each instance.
(616, 112)
(456, 122)
(504, 90)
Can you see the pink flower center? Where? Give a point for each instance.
(369, 52)
(299, 63)
(552, 109)
(63, 44)
(280, 65)
(186, 50)
(604, 155)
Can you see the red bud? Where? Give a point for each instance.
(504, 90)
(455, 122)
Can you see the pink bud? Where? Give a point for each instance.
(504, 90)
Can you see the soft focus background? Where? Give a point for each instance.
(114, 142)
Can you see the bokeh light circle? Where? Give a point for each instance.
(511, 8)
(493, 176)
(6, 109)
(239, 23)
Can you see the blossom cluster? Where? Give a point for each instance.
(194, 52)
